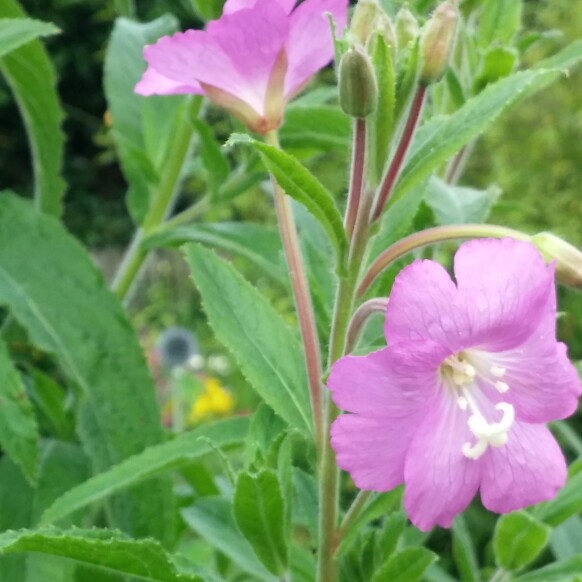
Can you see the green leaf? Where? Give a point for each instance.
(141, 126)
(498, 62)
(260, 244)
(393, 529)
(107, 549)
(320, 127)
(405, 566)
(464, 551)
(212, 519)
(259, 511)
(299, 183)
(212, 156)
(247, 324)
(442, 137)
(499, 21)
(95, 347)
(566, 571)
(566, 539)
(14, 32)
(150, 463)
(459, 205)
(208, 9)
(31, 76)
(566, 59)
(18, 430)
(381, 123)
(518, 540)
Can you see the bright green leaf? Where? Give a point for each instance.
(260, 515)
(31, 76)
(14, 32)
(208, 9)
(405, 566)
(153, 461)
(108, 549)
(518, 540)
(464, 551)
(247, 324)
(499, 21)
(18, 429)
(95, 347)
(498, 62)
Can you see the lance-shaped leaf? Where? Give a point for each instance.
(31, 76)
(267, 350)
(60, 298)
(566, 59)
(109, 549)
(14, 32)
(299, 183)
(18, 429)
(181, 451)
(259, 511)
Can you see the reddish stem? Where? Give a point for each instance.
(357, 179)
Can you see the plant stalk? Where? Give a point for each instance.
(357, 178)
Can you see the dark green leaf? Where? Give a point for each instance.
(151, 462)
(259, 511)
(14, 32)
(18, 429)
(499, 21)
(464, 551)
(95, 346)
(31, 76)
(518, 540)
(247, 324)
(405, 566)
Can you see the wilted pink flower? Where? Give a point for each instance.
(458, 399)
(251, 61)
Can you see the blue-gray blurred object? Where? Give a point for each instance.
(177, 346)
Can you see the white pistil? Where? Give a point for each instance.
(494, 434)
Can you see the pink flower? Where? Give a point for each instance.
(251, 61)
(458, 399)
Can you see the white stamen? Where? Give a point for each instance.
(462, 402)
(498, 371)
(501, 387)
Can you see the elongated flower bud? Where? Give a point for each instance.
(407, 29)
(364, 20)
(568, 258)
(437, 42)
(358, 90)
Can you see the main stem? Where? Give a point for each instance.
(302, 298)
(164, 196)
(400, 154)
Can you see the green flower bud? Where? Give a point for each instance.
(568, 258)
(406, 27)
(437, 42)
(364, 20)
(384, 26)
(358, 90)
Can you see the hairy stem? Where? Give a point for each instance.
(357, 178)
(302, 298)
(396, 164)
(361, 317)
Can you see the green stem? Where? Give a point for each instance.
(162, 202)
(431, 236)
(353, 512)
(302, 299)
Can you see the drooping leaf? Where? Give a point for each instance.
(61, 299)
(442, 137)
(407, 565)
(31, 76)
(268, 352)
(153, 461)
(212, 519)
(18, 429)
(299, 183)
(259, 511)
(518, 540)
(110, 549)
(14, 32)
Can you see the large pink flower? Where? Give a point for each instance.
(251, 61)
(458, 400)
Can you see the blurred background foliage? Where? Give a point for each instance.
(534, 153)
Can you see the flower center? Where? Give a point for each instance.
(461, 375)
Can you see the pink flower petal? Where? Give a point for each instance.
(425, 304)
(439, 480)
(529, 469)
(390, 383)
(310, 43)
(505, 284)
(373, 450)
(235, 5)
(153, 83)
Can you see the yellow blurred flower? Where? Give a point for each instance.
(214, 400)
